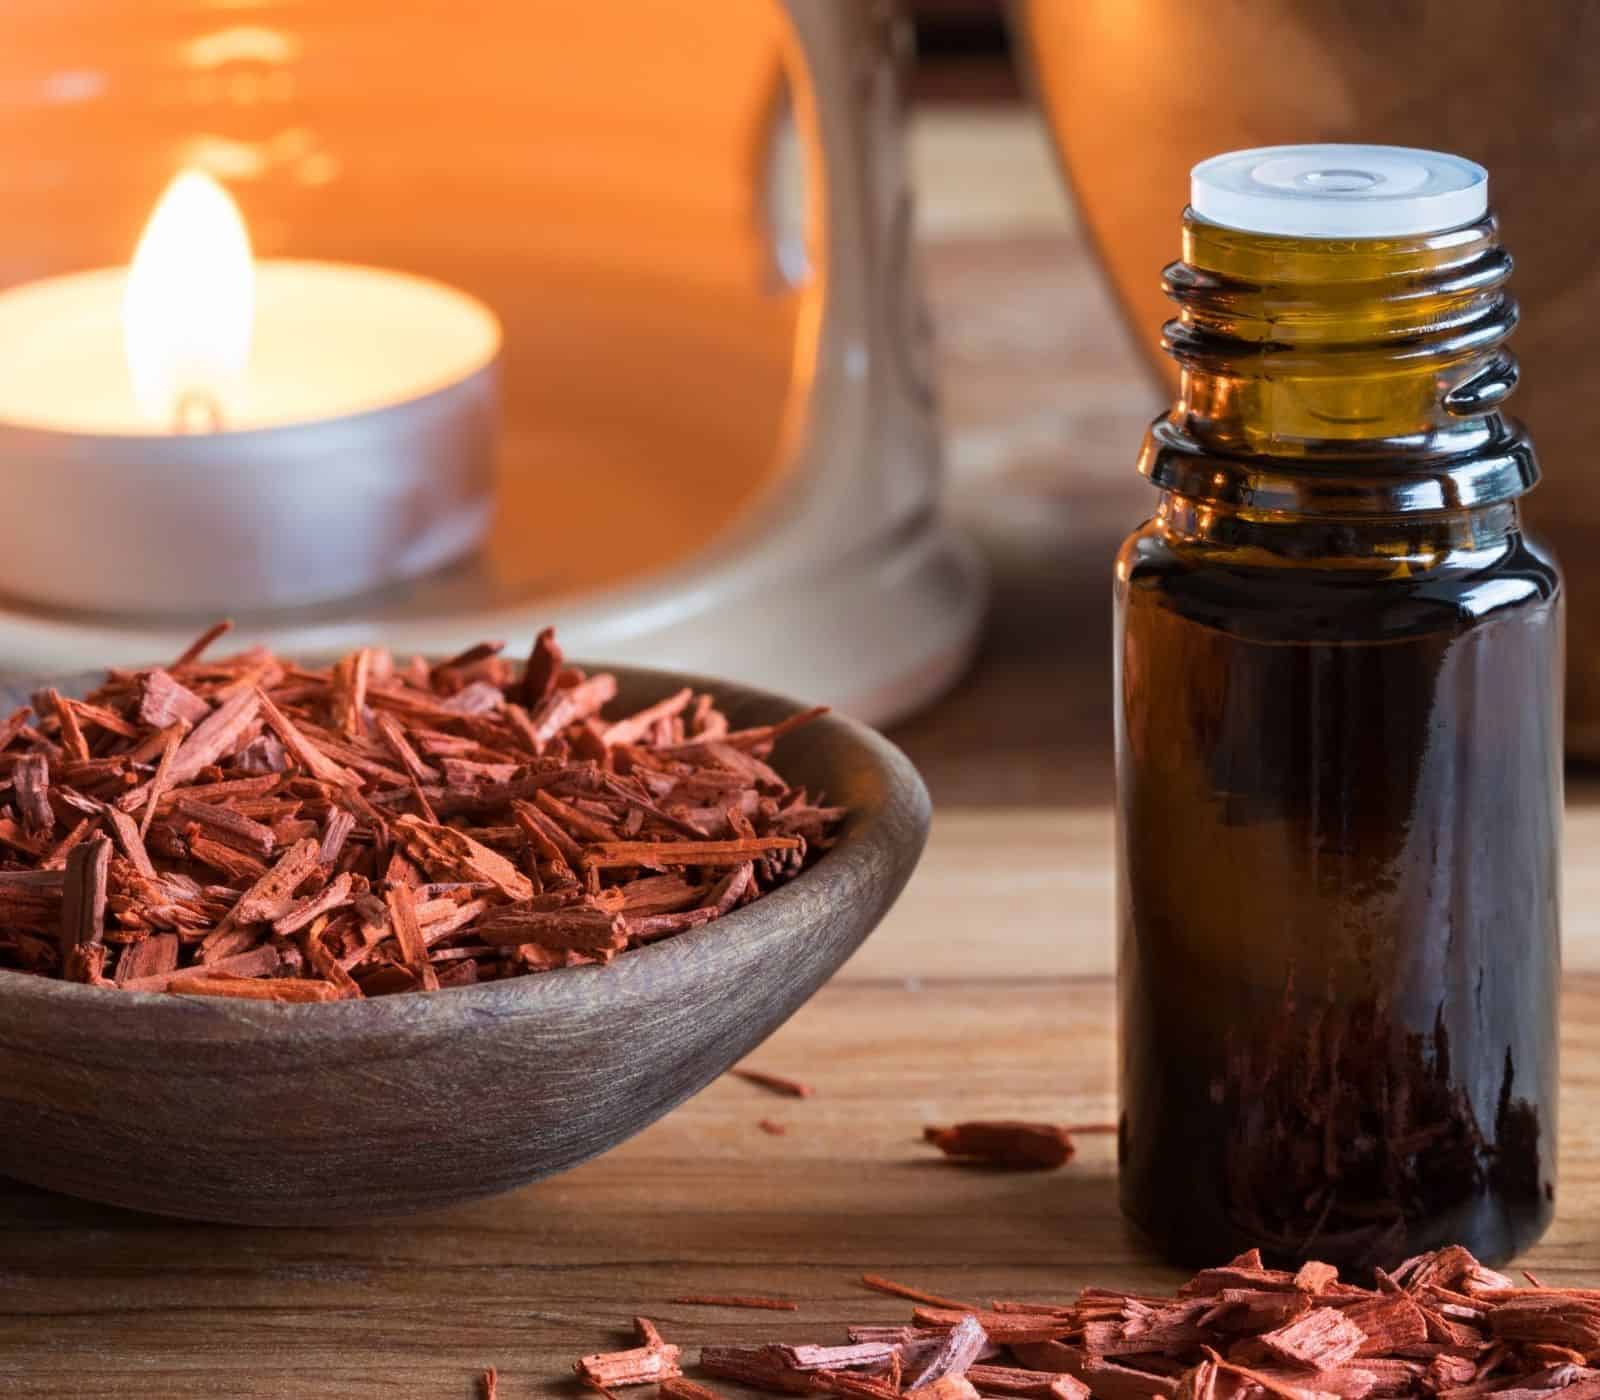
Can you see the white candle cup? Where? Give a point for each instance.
(358, 450)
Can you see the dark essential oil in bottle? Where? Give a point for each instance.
(1338, 735)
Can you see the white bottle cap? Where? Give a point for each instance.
(1335, 191)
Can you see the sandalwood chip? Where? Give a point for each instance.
(847, 1356)
(253, 988)
(878, 1284)
(453, 853)
(777, 1083)
(966, 1342)
(1005, 1144)
(149, 957)
(654, 1360)
(1002, 1327)
(636, 1366)
(408, 935)
(1112, 1380)
(1035, 1385)
(853, 1385)
(1318, 1340)
(30, 780)
(657, 855)
(198, 647)
(372, 828)
(758, 1367)
(945, 1388)
(678, 1388)
(1390, 1321)
(1314, 1276)
(1548, 1317)
(1240, 1331)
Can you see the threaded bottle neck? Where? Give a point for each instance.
(1345, 377)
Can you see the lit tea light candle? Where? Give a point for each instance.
(203, 431)
(189, 306)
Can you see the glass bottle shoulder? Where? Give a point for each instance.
(1293, 601)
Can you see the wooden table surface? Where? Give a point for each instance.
(988, 991)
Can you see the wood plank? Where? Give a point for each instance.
(96, 1303)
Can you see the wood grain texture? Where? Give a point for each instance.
(250, 1112)
(1011, 891)
(98, 1303)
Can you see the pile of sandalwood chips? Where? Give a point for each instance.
(1441, 1325)
(248, 827)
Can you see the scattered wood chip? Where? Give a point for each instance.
(1208, 1341)
(759, 1367)
(677, 1388)
(656, 1360)
(777, 1083)
(962, 1346)
(1003, 1327)
(945, 1388)
(1035, 1385)
(878, 1284)
(1005, 1144)
(1321, 1339)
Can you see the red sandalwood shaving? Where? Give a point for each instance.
(1439, 1327)
(1005, 1144)
(653, 1360)
(777, 1083)
(247, 827)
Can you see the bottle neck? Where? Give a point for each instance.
(1393, 546)
(1348, 381)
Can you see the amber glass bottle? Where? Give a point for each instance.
(1338, 735)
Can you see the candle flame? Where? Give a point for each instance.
(190, 302)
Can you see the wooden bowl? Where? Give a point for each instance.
(305, 1115)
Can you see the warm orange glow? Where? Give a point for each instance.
(189, 306)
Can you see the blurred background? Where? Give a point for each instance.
(1048, 303)
(963, 52)
(803, 352)
(828, 329)
(1044, 396)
